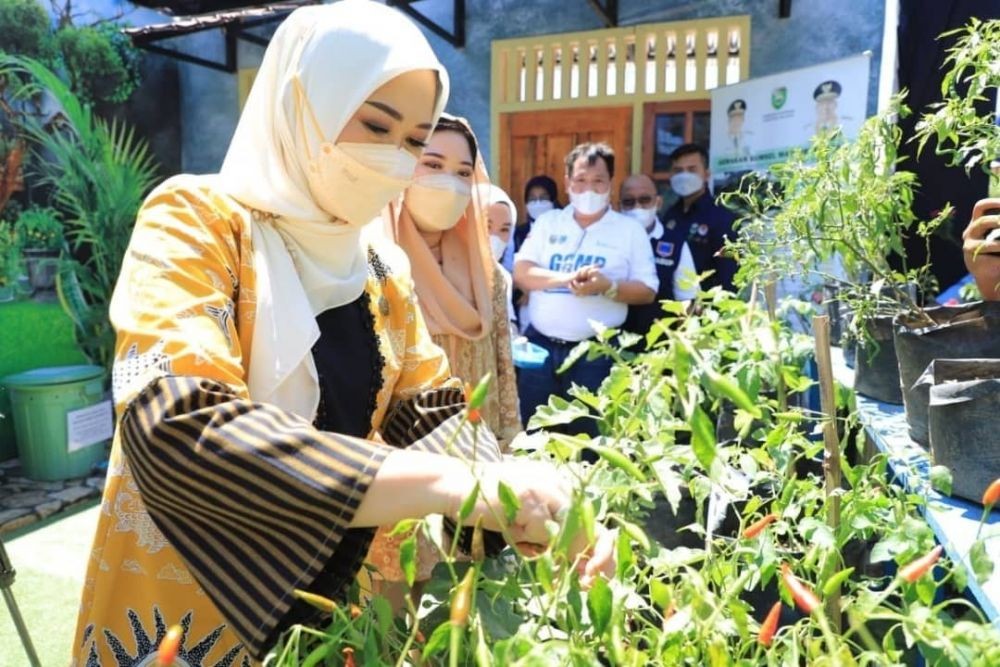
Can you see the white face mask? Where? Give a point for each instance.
(539, 206)
(686, 183)
(437, 201)
(497, 246)
(646, 216)
(589, 202)
(354, 182)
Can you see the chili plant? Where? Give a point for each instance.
(751, 587)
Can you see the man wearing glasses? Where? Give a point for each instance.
(674, 264)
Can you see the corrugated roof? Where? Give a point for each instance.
(186, 24)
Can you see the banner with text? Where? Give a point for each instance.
(757, 122)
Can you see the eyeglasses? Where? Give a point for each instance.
(645, 201)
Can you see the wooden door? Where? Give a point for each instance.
(537, 142)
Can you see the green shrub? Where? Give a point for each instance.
(8, 259)
(102, 64)
(26, 29)
(39, 228)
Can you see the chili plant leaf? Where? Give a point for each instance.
(469, 504)
(702, 437)
(618, 460)
(438, 641)
(982, 564)
(724, 387)
(509, 501)
(941, 479)
(599, 603)
(558, 411)
(408, 558)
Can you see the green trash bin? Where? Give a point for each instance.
(63, 420)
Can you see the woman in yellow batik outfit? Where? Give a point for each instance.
(259, 341)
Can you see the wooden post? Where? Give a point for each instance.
(771, 301)
(831, 444)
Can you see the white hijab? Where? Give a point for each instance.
(335, 56)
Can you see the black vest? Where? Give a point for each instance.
(666, 255)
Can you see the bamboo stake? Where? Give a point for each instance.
(771, 300)
(831, 442)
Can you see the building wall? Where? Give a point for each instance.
(817, 31)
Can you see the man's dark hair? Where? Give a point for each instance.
(690, 149)
(592, 152)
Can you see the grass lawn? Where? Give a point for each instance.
(50, 563)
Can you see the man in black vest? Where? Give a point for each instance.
(674, 264)
(706, 225)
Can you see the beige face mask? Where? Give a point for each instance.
(437, 201)
(353, 182)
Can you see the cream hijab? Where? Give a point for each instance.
(455, 296)
(331, 57)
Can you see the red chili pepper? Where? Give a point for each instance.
(349, 657)
(770, 625)
(166, 654)
(992, 495)
(803, 596)
(461, 604)
(756, 528)
(918, 568)
(474, 416)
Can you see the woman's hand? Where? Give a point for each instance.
(544, 496)
(981, 247)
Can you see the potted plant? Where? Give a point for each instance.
(8, 263)
(40, 233)
(844, 204)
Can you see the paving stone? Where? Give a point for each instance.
(14, 519)
(73, 493)
(21, 522)
(96, 483)
(23, 499)
(46, 510)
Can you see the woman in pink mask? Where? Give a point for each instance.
(440, 225)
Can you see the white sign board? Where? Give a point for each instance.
(89, 426)
(758, 122)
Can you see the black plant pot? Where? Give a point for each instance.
(969, 331)
(963, 418)
(876, 371)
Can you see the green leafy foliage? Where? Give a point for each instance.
(26, 30)
(661, 455)
(102, 64)
(962, 127)
(9, 265)
(39, 228)
(99, 174)
(841, 210)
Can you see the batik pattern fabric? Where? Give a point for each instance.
(217, 507)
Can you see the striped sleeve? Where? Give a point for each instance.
(434, 421)
(255, 500)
